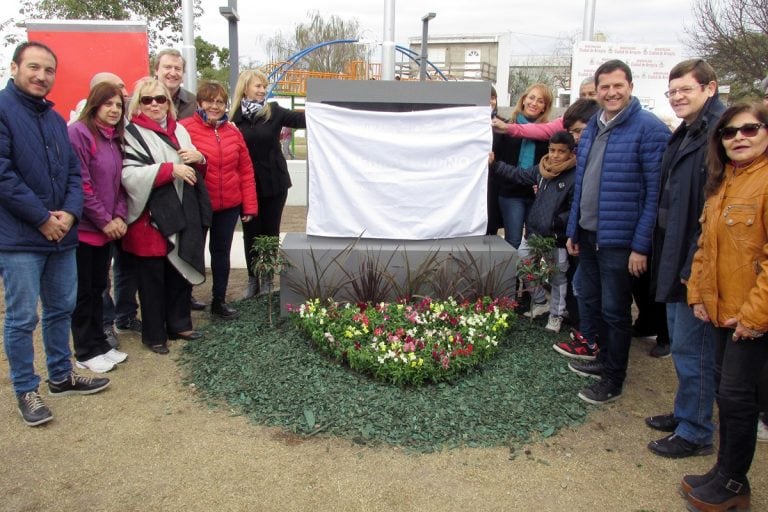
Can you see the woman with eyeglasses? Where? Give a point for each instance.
(729, 287)
(261, 122)
(168, 210)
(97, 140)
(229, 180)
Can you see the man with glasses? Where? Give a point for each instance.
(611, 223)
(40, 202)
(694, 98)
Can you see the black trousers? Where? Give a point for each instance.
(266, 223)
(88, 317)
(164, 298)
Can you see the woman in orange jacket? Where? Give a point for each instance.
(729, 287)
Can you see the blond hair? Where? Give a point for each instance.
(146, 87)
(548, 100)
(243, 82)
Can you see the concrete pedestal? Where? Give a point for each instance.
(332, 261)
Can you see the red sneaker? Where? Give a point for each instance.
(577, 347)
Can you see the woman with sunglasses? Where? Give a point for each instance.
(168, 210)
(261, 123)
(229, 181)
(729, 287)
(97, 138)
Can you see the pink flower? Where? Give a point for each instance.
(409, 347)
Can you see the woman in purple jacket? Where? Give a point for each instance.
(97, 139)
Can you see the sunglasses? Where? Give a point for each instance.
(147, 100)
(747, 130)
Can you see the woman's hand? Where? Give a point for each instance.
(115, 229)
(246, 218)
(498, 125)
(740, 332)
(190, 156)
(700, 312)
(491, 158)
(185, 173)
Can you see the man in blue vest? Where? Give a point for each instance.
(41, 198)
(610, 226)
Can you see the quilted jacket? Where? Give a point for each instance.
(229, 179)
(630, 179)
(39, 172)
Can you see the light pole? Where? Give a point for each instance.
(230, 13)
(188, 45)
(424, 38)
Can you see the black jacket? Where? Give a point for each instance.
(684, 172)
(507, 149)
(263, 140)
(550, 209)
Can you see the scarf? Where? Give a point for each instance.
(527, 148)
(551, 171)
(250, 108)
(205, 119)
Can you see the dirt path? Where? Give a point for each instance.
(147, 443)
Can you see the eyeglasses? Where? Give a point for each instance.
(218, 103)
(747, 130)
(147, 100)
(685, 91)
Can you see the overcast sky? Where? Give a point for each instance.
(535, 25)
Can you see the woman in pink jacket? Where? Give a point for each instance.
(97, 138)
(229, 179)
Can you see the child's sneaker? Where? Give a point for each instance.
(577, 347)
(554, 323)
(537, 310)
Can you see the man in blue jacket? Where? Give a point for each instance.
(41, 198)
(611, 223)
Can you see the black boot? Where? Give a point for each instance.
(690, 482)
(220, 309)
(720, 494)
(252, 289)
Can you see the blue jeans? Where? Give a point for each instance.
(693, 352)
(514, 211)
(124, 307)
(604, 287)
(51, 277)
(220, 245)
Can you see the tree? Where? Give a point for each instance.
(163, 18)
(212, 61)
(329, 59)
(732, 35)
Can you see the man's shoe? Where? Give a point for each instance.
(76, 384)
(132, 325)
(662, 422)
(116, 356)
(660, 351)
(690, 482)
(109, 332)
(252, 289)
(675, 447)
(32, 409)
(220, 309)
(160, 348)
(720, 493)
(554, 323)
(601, 392)
(577, 347)
(537, 310)
(196, 305)
(96, 364)
(190, 336)
(593, 369)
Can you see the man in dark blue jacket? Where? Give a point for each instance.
(693, 96)
(610, 226)
(41, 198)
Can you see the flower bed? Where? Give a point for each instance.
(408, 343)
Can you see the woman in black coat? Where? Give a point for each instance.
(260, 123)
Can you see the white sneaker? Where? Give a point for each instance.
(98, 364)
(116, 356)
(538, 310)
(554, 323)
(762, 431)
